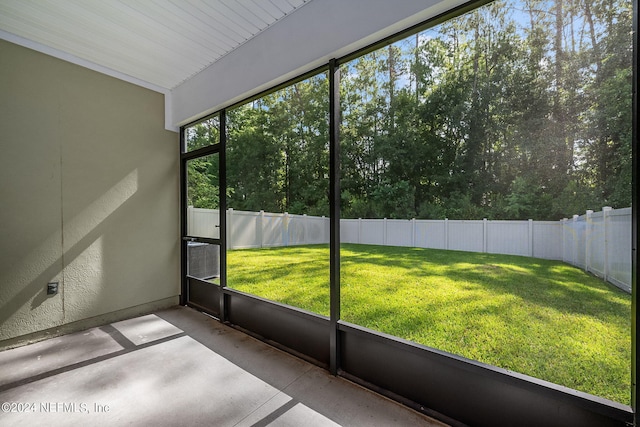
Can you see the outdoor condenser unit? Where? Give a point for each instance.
(203, 260)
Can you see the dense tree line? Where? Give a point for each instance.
(516, 110)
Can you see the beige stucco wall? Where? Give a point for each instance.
(88, 194)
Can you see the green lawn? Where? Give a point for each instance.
(538, 317)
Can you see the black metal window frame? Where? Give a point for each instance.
(348, 342)
(217, 148)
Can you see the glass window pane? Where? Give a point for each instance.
(463, 148)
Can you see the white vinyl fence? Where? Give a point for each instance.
(597, 242)
(600, 242)
(247, 230)
(264, 229)
(540, 239)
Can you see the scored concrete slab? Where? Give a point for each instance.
(264, 361)
(210, 374)
(177, 382)
(54, 353)
(350, 404)
(145, 329)
(283, 410)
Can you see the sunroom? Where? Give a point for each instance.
(425, 209)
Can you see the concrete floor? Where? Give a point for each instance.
(179, 367)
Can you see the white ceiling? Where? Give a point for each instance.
(158, 42)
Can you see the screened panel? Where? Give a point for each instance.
(203, 197)
(277, 195)
(202, 134)
(466, 151)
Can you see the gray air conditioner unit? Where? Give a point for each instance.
(203, 260)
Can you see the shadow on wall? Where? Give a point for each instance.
(90, 183)
(82, 257)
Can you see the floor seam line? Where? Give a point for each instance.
(309, 368)
(279, 392)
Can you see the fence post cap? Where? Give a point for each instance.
(589, 211)
(607, 208)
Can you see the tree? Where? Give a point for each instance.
(277, 151)
(516, 110)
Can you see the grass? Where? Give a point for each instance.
(537, 317)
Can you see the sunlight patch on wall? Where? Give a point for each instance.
(93, 215)
(40, 259)
(84, 276)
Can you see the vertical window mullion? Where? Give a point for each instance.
(334, 195)
(222, 182)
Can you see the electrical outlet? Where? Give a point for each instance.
(52, 288)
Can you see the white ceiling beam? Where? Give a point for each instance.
(300, 42)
